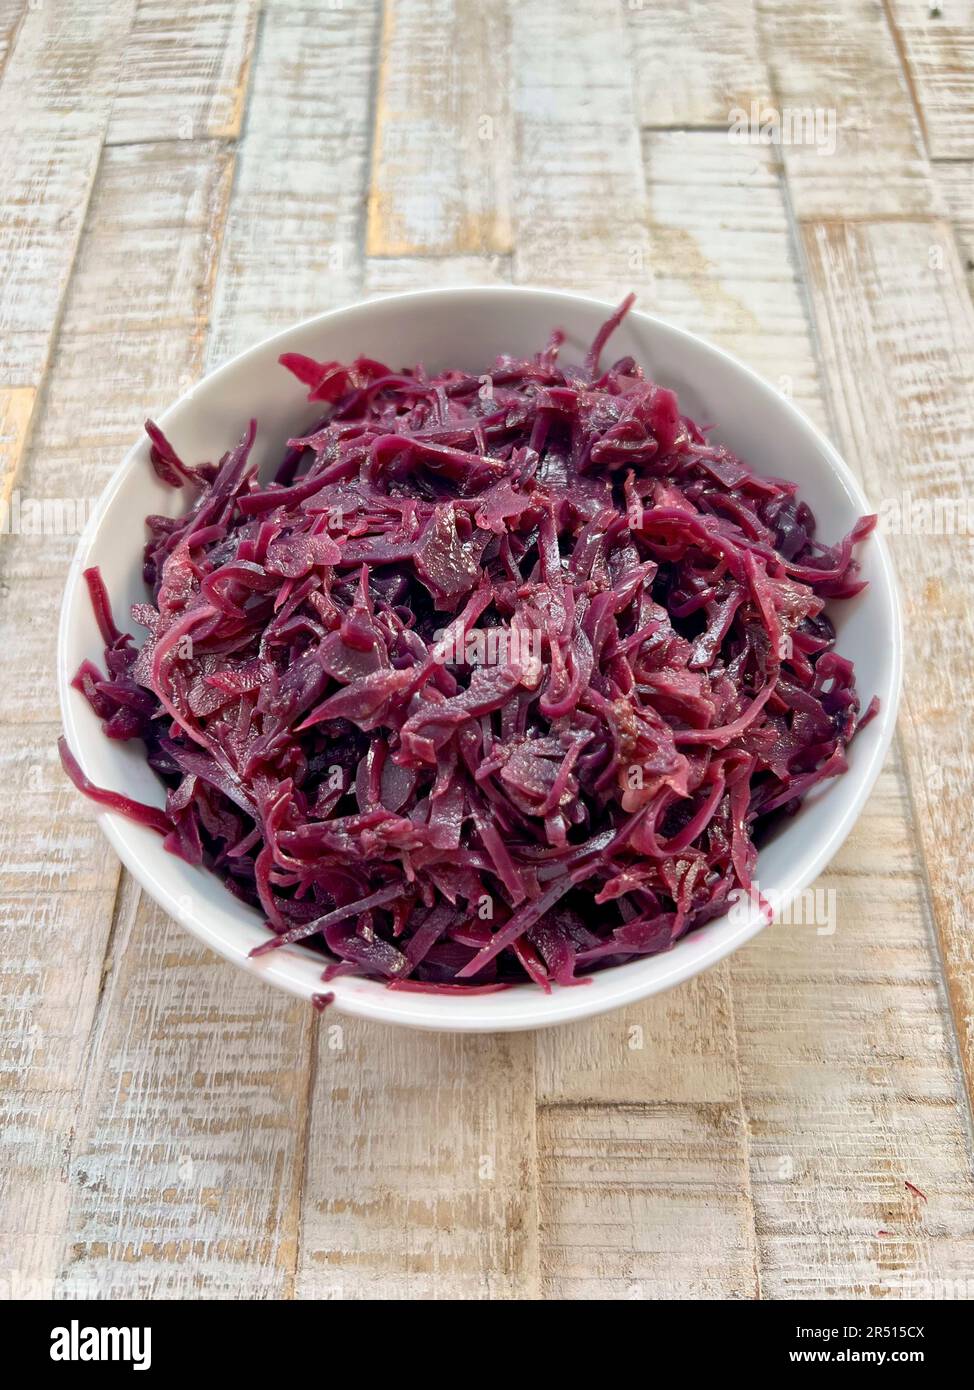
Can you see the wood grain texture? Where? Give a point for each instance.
(937, 42)
(441, 154)
(805, 1057)
(897, 332)
(582, 220)
(645, 1202)
(181, 1172)
(735, 278)
(58, 84)
(120, 355)
(231, 1227)
(838, 58)
(390, 274)
(488, 1241)
(695, 63)
(677, 1047)
(184, 71)
(28, 628)
(956, 182)
(293, 239)
(11, 16)
(62, 898)
(55, 918)
(578, 193)
(208, 1202)
(851, 1085)
(167, 236)
(16, 409)
(421, 1172)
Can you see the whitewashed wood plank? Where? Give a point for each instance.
(28, 628)
(181, 1173)
(851, 1084)
(723, 256)
(582, 220)
(184, 74)
(645, 1202)
(162, 209)
(678, 1048)
(55, 914)
(293, 239)
(391, 274)
(53, 942)
(421, 1178)
(806, 1023)
(579, 205)
(55, 100)
(44, 852)
(897, 333)
(837, 61)
(937, 42)
(11, 16)
(205, 1200)
(694, 63)
(16, 410)
(60, 880)
(286, 257)
(582, 204)
(441, 152)
(455, 1218)
(126, 348)
(956, 182)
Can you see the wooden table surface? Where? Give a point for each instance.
(178, 180)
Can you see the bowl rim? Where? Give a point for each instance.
(288, 968)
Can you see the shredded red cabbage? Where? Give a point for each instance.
(499, 680)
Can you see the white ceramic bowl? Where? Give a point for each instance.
(467, 328)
